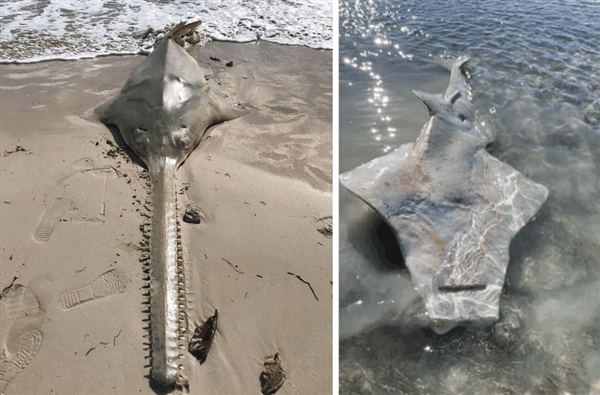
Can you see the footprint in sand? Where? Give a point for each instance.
(21, 335)
(112, 282)
(51, 216)
(86, 165)
(325, 226)
(79, 166)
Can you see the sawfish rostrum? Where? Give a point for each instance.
(162, 113)
(453, 207)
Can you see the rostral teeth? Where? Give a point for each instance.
(164, 275)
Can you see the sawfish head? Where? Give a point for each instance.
(166, 105)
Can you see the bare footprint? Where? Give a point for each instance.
(325, 226)
(112, 282)
(21, 333)
(51, 216)
(79, 166)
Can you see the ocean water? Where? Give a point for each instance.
(36, 30)
(535, 79)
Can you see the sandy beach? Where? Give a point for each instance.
(73, 214)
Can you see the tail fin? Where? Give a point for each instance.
(458, 82)
(182, 29)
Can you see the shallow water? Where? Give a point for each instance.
(35, 30)
(535, 76)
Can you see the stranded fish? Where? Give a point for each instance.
(162, 112)
(453, 207)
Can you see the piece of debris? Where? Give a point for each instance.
(192, 215)
(234, 267)
(115, 338)
(183, 33)
(6, 290)
(229, 64)
(273, 376)
(215, 59)
(149, 32)
(325, 226)
(202, 339)
(305, 282)
(194, 38)
(18, 148)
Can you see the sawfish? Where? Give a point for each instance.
(453, 207)
(162, 113)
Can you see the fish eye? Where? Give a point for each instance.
(140, 144)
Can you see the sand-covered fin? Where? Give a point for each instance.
(164, 273)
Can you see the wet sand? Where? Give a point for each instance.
(73, 201)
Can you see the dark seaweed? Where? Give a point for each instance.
(202, 339)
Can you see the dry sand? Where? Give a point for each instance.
(73, 201)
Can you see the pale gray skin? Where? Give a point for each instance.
(453, 207)
(162, 112)
(166, 106)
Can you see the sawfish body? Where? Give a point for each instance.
(162, 113)
(453, 207)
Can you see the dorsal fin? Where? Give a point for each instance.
(181, 29)
(458, 82)
(434, 103)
